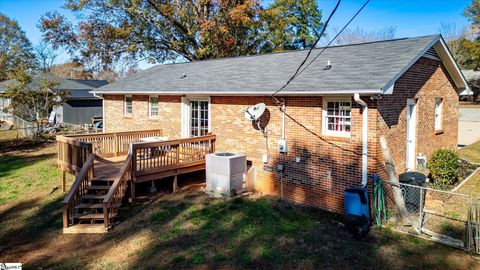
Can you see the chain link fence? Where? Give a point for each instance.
(440, 216)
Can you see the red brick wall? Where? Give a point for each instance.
(168, 120)
(328, 164)
(425, 81)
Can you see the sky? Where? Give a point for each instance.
(411, 17)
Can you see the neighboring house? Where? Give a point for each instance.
(410, 86)
(81, 105)
(473, 79)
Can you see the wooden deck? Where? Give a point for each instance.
(106, 164)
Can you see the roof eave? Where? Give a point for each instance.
(245, 93)
(447, 59)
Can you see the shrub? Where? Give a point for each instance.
(443, 166)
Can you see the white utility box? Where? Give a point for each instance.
(226, 173)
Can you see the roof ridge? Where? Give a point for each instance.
(294, 51)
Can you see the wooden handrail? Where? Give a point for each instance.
(80, 177)
(78, 189)
(126, 167)
(173, 142)
(115, 194)
(76, 136)
(72, 154)
(156, 157)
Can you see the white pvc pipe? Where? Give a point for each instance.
(283, 119)
(362, 103)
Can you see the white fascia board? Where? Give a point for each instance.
(447, 59)
(251, 93)
(389, 86)
(450, 64)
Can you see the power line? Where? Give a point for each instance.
(333, 39)
(298, 71)
(311, 49)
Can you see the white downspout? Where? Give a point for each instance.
(283, 119)
(362, 103)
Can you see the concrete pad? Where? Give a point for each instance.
(468, 126)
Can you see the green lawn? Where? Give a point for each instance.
(188, 229)
(471, 152)
(26, 174)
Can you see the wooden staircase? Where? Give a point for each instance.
(93, 202)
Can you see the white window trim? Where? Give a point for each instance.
(125, 105)
(150, 107)
(440, 115)
(325, 131)
(185, 117)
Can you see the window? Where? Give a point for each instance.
(336, 117)
(438, 113)
(153, 108)
(198, 118)
(128, 105)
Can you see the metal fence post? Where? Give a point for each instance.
(469, 223)
(420, 211)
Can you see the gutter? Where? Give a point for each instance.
(362, 103)
(241, 93)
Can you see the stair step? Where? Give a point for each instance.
(93, 196)
(103, 179)
(90, 205)
(93, 206)
(95, 187)
(86, 228)
(93, 216)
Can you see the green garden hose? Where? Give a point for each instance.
(379, 209)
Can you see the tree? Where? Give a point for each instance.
(155, 30)
(170, 30)
(33, 99)
(359, 35)
(473, 13)
(71, 70)
(465, 44)
(107, 74)
(45, 56)
(15, 48)
(291, 24)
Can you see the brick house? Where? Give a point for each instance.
(335, 111)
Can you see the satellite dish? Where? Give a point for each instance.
(255, 112)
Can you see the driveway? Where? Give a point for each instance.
(468, 126)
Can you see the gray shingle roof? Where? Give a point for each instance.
(78, 88)
(367, 66)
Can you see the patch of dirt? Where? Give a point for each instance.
(24, 146)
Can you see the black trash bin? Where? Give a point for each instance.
(412, 195)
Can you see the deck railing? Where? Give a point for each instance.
(78, 189)
(72, 154)
(114, 197)
(157, 157)
(114, 144)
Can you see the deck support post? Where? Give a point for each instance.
(132, 191)
(175, 183)
(64, 181)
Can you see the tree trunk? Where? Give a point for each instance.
(392, 175)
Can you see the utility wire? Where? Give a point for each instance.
(333, 39)
(311, 49)
(299, 69)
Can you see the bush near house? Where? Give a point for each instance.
(443, 166)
